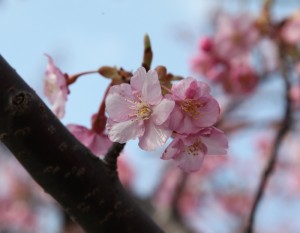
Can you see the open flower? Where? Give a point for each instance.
(195, 108)
(56, 88)
(189, 150)
(139, 110)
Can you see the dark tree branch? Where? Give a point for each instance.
(89, 191)
(270, 166)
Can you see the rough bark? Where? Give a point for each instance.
(87, 189)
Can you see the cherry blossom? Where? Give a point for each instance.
(189, 150)
(56, 88)
(96, 142)
(209, 65)
(235, 36)
(139, 110)
(243, 78)
(195, 107)
(291, 30)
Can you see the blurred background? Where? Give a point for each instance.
(84, 35)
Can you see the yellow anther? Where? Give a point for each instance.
(143, 111)
(191, 107)
(195, 148)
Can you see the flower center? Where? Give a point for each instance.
(192, 107)
(195, 148)
(143, 111)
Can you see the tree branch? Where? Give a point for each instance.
(89, 191)
(283, 130)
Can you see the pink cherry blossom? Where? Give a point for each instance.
(195, 107)
(189, 150)
(139, 110)
(97, 143)
(56, 88)
(209, 65)
(243, 78)
(235, 36)
(291, 30)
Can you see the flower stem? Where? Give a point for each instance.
(72, 79)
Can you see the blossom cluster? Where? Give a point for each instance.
(187, 113)
(225, 57)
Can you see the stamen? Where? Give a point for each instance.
(195, 148)
(143, 111)
(192, 107)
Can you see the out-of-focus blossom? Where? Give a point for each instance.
(291, 30)
(243, 78)
(210, 66)
(235, 36)
(295, 95)
(56, 88)
(195, 107)
(17, 216)
(96, 142)
(125, 171)
(189, 150)
(139, 110)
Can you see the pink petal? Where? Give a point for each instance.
(162, 111)
(190, 163)
(179, 89)
(138, 79)
(80, 132)
(209, 113)
(123, 131)
(154, 136)
(175, 118)
(119, 101)
(58, 107)
(99, 144)
(151, 91)
(216, 142)
(175, 147)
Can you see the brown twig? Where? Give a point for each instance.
(283, 130)
(112, 155)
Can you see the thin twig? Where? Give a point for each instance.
(112, 155)
(285, 126)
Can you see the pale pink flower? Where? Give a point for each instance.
(194, 106)
(97, 143)
(235, 36)
(139, 110)
(189, 150)
(56, 88)
(291, 30)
